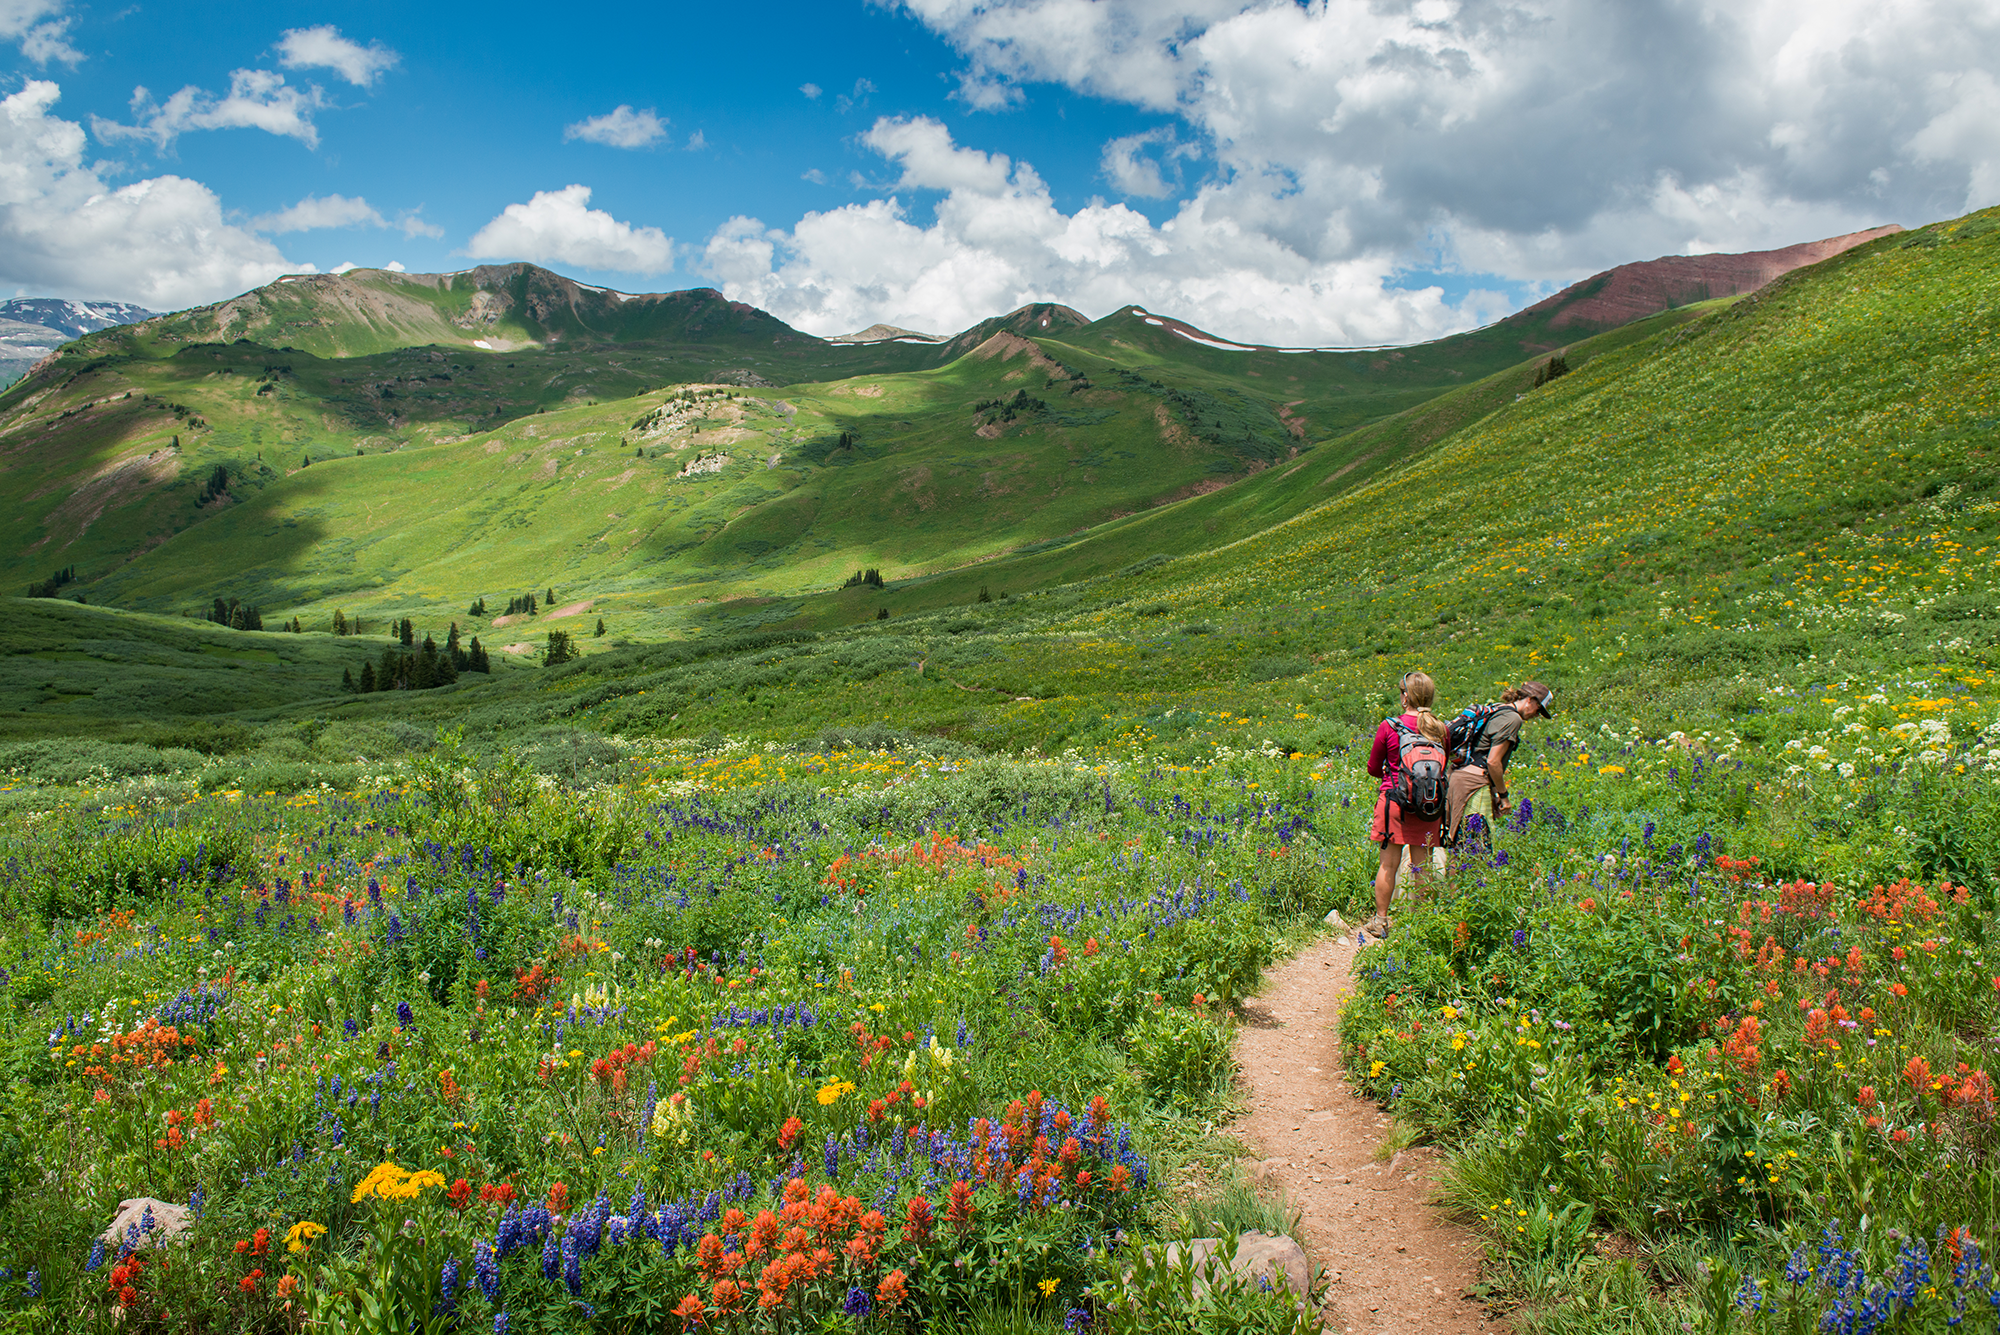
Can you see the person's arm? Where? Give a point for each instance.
(1379, 753)
(1496, 771)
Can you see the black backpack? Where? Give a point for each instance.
(1419, 787)
(1467, 729)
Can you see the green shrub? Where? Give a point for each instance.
(1183, 1053)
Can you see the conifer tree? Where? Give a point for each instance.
(561, 650)
(347, 680)
(476, 658)
(367, 678)
(600, 628)
(407, 633)
(339, 622)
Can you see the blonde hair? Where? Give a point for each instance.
(1420, 693)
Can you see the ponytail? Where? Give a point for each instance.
(1431, 726)
(1419, 691)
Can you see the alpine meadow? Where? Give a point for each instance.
(536, 809)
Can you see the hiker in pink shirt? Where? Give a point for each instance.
(1409, 758)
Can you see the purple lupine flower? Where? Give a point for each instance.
(486, 1271)
(447, 1302)
(552, 1256)
(404, 1019)
(832, 1156)
(96, 1255)
(858, 1303)
(572, 1260)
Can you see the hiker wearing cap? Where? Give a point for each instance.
(1409, 758)
(1482, 739)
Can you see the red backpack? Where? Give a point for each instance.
(1419, 787)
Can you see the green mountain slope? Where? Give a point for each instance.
(1797, 484)
(1804, 477)
(399, 444)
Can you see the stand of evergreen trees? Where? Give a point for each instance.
(48, 588)
(407, 666)
(528, 604)
(871, 577)
(1554, 369)
(235, 615)
(217, 485)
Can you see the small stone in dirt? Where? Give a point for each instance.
(169, 1221)
(1335, 921)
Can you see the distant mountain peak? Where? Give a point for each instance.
(72, 319)
(883, 333)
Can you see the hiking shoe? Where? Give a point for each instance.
(1377, 927)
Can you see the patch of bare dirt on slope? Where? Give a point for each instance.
(1394, 1262)
(109, 487)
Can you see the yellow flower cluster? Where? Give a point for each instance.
(390, 1183)
(300, 1235)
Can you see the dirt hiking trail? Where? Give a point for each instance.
(1393, 1262)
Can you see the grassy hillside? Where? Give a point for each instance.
(70, 668)
(1774, 483)
(146, 451)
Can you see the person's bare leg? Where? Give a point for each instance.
(1385, 888)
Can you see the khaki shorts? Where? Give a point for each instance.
(1466, 793)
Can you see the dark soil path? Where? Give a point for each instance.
(1394, 1262)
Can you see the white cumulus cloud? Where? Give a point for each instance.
(621, 127)
(161, 242)
(41, 29)
(996, 240)
(324, 48)
(257, 100)
(1134, 163)
(312, 213)
(559, 227)
(1540, 140)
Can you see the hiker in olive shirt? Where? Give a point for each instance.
(1483, 738)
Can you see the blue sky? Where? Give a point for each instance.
(1296, 173)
